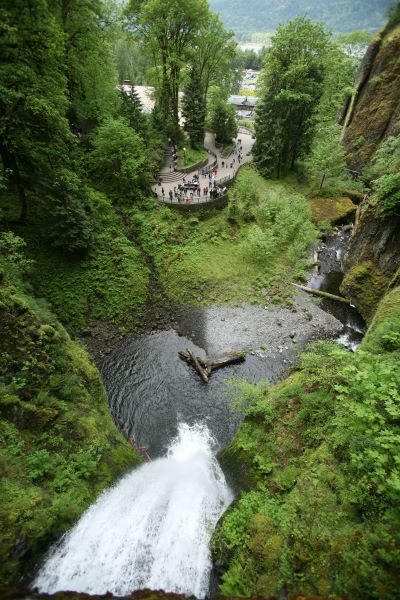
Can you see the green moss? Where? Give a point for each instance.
(377, 102)
(320, 454)
(58, 445)
(384, 332)
(366, 285)
(334, 210)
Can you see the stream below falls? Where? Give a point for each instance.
(152, 529)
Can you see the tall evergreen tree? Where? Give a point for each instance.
(194, 109)
(292, 87)
(222, 117)
(132, 110)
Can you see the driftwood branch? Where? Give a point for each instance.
(139, 449)
(321, 293)
(205, 366)
(201, 370)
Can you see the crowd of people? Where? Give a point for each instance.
(205, 186)
(188, 191)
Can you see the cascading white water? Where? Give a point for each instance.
(151, 530)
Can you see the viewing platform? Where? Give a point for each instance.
(181, 189)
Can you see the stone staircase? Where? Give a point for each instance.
(171, 176)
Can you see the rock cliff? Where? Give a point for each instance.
(373, 259)
(373, 114)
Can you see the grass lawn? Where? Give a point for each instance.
(190, 156)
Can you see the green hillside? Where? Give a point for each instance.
(265, 15)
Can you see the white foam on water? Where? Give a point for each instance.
(151, 530)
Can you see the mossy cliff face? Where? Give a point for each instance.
(374, 114)
(373, 256)
(372, 260)
(58, 444)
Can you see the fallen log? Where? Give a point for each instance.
(201, 371)
(204, 366)
(321, 293)
(217, 362)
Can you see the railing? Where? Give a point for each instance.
(213, 164)
(227, 178)
(202, 199)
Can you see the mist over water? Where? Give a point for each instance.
(151, 530)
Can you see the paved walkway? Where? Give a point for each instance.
(224, 173)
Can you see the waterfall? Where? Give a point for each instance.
(151, 530)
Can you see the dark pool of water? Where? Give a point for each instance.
(152, 390)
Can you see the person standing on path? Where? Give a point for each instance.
(162, 191)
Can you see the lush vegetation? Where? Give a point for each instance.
(346, 16)
(58, 444)
(384, 174)
(247, 251)
(304, 81)
(77, 159)
(321, 454)
(178, 34)
(110, 283)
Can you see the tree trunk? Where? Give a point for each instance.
(204, 366)
(321, 293)
(201, 371)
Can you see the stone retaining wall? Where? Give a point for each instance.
(194, 167)
(219, 202)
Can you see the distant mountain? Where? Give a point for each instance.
(340, 16)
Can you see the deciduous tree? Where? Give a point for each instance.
(213, 55)
(169, 29)
(91, 74)
(327, 159)
(37, 147)
(118, 159)
(292, 87)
